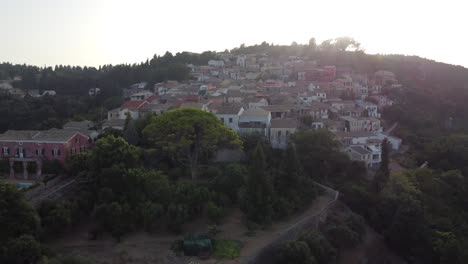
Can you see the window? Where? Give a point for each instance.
(82, 149)
(20, 152)
(222, 119)
(40, 152)
(5, 150)
(279, 133)
(56, 152)
(73, 151)
(230, 120)
(287, 132)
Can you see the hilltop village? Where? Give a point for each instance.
(250, 93)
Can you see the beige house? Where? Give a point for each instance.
(281, 130)
(356, 124)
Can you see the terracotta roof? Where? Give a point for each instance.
(52, 135)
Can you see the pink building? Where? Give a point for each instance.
(32, 146)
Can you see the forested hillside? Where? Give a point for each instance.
(420, 212)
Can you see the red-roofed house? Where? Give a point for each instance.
(32, 146)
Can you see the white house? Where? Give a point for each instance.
(381, 100)
(131, 108)
(241, 59)
(394, 142)
(360, 153)
(356, 124)
(255, 121)
(280, 132)
(371, 108)
(229, 115)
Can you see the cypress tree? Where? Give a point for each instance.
(259, 194)
(130, 134)
(383, 173)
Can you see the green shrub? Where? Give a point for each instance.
(226, 249)
(320, 247)
(342, 236)
(296, 252)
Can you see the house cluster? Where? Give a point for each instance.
(249, 93)
(254, 93)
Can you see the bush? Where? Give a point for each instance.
(282, 208)
(55, 217)
(296, 252)
(24, 249)
(226, 249)
(320, 247)
(357, 224)
(342, 236)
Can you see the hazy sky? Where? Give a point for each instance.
(94, 32)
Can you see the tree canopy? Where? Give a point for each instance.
(190, 135)
(19, 227)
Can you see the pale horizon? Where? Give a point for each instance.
(93, 33)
